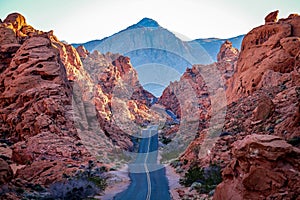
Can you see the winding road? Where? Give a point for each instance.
(148, 178)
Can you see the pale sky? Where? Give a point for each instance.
(85, 20)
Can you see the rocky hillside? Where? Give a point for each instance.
(60, 107)
(190, 97)
(259, 139)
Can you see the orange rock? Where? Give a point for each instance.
(264, 109)
(264, 167)
(16, 19)
(83, 53)
(272, 17)
(268, 57)
(6, 173)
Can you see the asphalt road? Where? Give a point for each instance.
(148, 178)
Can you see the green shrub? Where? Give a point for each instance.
(209, 178)
(194, 174)
(295, 141)
(165, 140)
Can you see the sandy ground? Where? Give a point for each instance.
(173, 178)
(118, 183)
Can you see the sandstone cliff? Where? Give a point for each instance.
(61, 107)
(262, 92)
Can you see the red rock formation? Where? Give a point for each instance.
(35, 100)
(227, 60)
(269, 57)
(57, 110)
(82, 52)
(262, 167)
(227, 52)
(118, 97)
(6, 173)
(35, 86)
(272, 17)
(264, 98)
(180, 96)
(17, 21)
(189, 98)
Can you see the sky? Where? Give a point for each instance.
(77, 21)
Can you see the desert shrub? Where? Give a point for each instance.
(194, 174)
(166, 140)
(208, 177)
(73, 189)
(295, 141)
(86, 183)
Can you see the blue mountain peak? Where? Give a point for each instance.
(147, 22)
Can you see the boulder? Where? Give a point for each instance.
(262, 167)
(16, 19)
(272, 17)
(6, 173)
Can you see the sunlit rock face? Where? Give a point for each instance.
(60, 106)
(36, 102)
(269, 57)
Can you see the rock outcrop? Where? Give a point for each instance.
(262, 167)
(272, 17)
(262, 100)
(59, 105)
(269, 57)
(36, 101)
(6, 173)
(190, 97)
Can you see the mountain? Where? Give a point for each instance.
(157, 53)
(213, 45)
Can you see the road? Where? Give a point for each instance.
(148, 178)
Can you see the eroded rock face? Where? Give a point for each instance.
(119, 99)
(35, 90)
(265, 102)
(190, 97)
(272, 17)
(269, 57)
(227, 52)
(6, 173)
(263, 167)
(181, 97)
(83, 53)
(36, 101)
(57, 110)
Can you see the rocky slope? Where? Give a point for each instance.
(61, 107)
(262, 89)
(35, 101)
(190, 97)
